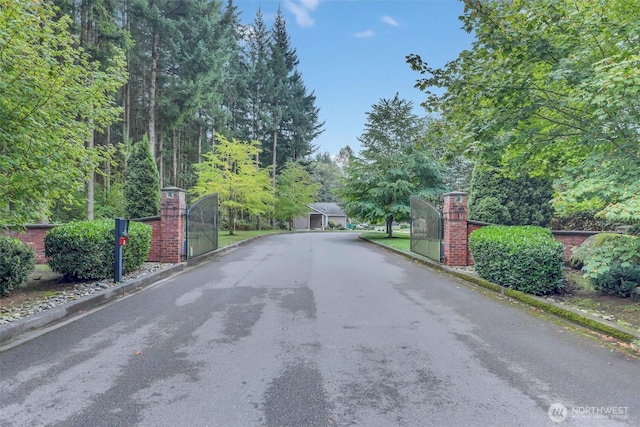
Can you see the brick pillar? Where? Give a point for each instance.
(455, 229)
(173, 207)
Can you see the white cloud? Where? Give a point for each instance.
(365, 34)
(389, 20)
(302, 11)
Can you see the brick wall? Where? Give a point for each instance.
(34, 237)
(167, 230)
(572, 239)
(154, 251)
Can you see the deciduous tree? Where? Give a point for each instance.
(393, 165)
(550, 88)
(51, 100)
(231, 171)
(295, 190)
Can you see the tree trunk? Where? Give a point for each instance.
(126, 89)
(161, 162)
(200, 133)
(232, 223)
(91, 183)
(174, 158)
(390, 227)
(275, 158)
(152, 95)
(107, 166)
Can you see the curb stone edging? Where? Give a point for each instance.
(11, 331)
(558, 310)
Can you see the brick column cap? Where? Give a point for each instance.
(173, 189)
(456, 193)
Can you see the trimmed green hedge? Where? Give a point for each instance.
(17, 260)
(524, 258)
(85, 249)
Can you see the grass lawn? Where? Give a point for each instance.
(224, 239)
(399, 241)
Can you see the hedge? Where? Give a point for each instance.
(17, 260)
(524, 258)
(85, 249)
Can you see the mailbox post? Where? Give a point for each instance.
(121, 238)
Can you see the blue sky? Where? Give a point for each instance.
(352, 53)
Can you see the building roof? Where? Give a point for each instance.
(329, 209)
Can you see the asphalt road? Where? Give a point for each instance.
(317, 329)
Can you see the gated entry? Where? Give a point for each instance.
(426, 229)
(202, 226)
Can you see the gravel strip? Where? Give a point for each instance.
(81, 289)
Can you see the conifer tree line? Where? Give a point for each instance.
(193, 70)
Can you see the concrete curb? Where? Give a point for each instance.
(559, 310)
(11, 331)
(14, 330)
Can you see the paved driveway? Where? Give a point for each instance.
(315, 329)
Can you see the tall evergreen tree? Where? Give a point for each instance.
(142, 184)
(509, 200)
(259, 40)
(293, 120)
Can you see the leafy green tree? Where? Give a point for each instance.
(94, 22)
(506, 200)
(549, 88)
(393, 165)
(142, 184)
(231, 171)
(51, 100)
(295, 190)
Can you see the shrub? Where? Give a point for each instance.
(525, 258)
(624, 249)
(579, 254)
(244, 225)
(618, 280)
(17, 260)
(522, 200)
(491, 210)
(85, 249)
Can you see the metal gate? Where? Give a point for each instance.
(426, 229)
(202, 226)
